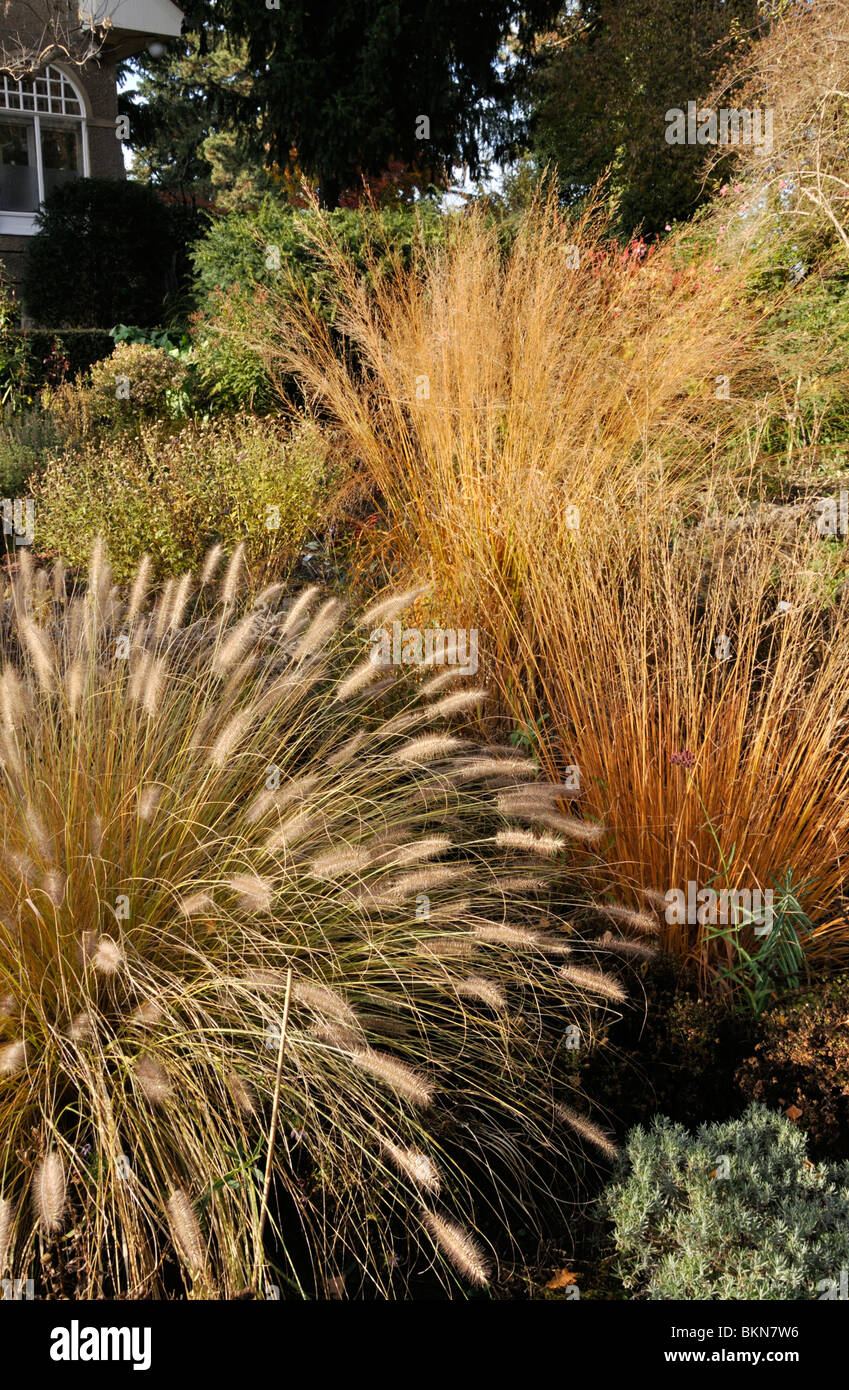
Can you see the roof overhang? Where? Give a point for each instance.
(133, 24)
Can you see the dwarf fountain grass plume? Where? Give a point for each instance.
(587, 1129)
(186, 1231)
(49, 1191)
(213, 868)
(7, 1226)
(460, 1247)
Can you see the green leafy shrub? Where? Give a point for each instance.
(254, 248)
(172, 496)
(104, 254)
(26, 439)
(14, 360)
(736, 1211)
(138, 382)
(244, 255)
(801, 1062)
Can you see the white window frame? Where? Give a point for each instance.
(12, 96)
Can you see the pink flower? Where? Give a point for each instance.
(723, 190)
(686, 758)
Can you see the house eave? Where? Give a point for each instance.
(133, 24)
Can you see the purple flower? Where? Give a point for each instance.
(683, 759)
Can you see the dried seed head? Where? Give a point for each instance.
(255, 894)
(152, 1080)
(15, 699)
(13, 1058)
(340, 864)
(406, 1082)
(196, 904)
(545, 845)
(234, 647)
(38, 833)
(418, 850)
(476, 987)
(323, 1000)
(413, 1164)
(389, 608)
(210, 564)
(53, 884)
(587, 1130)
(242, 1094)
(484, 769)
(230, 737)
(638, 921)
(423, 881)
(186, 1231)
(450, 947)
(41, 653)
(138, 592)
(321, 629)
(430, 748)
(593, 981)
(147, 1014)
(7, 1224)
(49, 1191)
(154, 684)
(456, 704)
(623, 947)
(506, 934)
(459, 1247)
(108, 957)
(182, 595)
(298, 610)
(148, 802)
(232, 575)
(359, 679)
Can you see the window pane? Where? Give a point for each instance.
(18, 176)
(60, 155)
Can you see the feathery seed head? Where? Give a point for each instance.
(49, 1192)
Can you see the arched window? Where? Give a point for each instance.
(42, 143)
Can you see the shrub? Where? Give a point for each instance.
(174, 495)
(229, 375)
(774, 1228)
(801, 1063)
(103, 255)
(229, 874)
(266, 247)
(137, 382)
(25, 440)
(245, 255)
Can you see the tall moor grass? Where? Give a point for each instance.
(553, 428)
